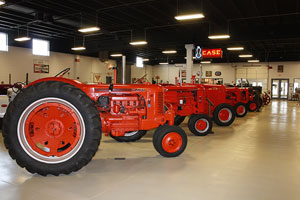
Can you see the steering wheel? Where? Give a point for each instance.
(63, 72)
(17, 87)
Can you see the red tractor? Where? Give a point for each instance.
(54, 125)
(189, 100)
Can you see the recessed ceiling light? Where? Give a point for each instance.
(116, 55)
(246, 56)
(78, 48)
(145, 59)
(89, 29)
(169, 52)
(235, 48)
(253, 61)
(138, 43)
(2, 2)
(193, 58)
(191, 16)
(205, 62)
(218, 37)
(22, 39)
(163, 63)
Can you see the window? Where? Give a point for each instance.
(139, 62)
(40, 47)
(3, 42)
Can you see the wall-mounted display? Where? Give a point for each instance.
(280, 69)
(41, 66)
(218, 73)
(96, 77)
(208, 73)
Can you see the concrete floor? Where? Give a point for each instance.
(257, 158)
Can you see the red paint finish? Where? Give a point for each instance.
(212, 53)
(172, 142)
(201, 125)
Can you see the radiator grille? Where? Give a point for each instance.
(160, 103)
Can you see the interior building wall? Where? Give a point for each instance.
(19, 61)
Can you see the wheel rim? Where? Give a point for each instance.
(241, 110)
(128, 134)
(225, 115)
(51, 130)
(253, 106)
(172, 142)
(202, 125)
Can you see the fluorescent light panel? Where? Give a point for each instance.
(253, 61)
(116, 55)
(22, 39)
(163, 63)
(190, 16)
(78, 48)
(235, 48)
(145, 59)
(169, 52)
(218, 37)
(2, 2)
(138, 43)
(89, 29)
(205, 62)
(246, 56)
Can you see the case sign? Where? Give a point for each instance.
(212, 53)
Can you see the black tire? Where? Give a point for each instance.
(132, 137)
(178, 120)
(200, 125)
(86, 147)
(159, 136)
(239, 112)
(223, 108)
(252, 106)
(1, 122)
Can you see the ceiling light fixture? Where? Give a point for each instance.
(2, 2)
(253, 61)
(246, 56)
(78, 48)
(163, 63)
(235, 48)
(22, 39)
(169, 52)
(205, 62)
(218, 37)
(138, 43)
(190, 16)
(89, 29)
(116, 55)
(146, 59)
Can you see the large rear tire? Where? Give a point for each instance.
(169, 141)
(241, 109)
(200, 125)
(178, 120)
(52, 128)
(130, 136)
(224, 115)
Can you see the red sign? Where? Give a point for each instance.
(212, 53)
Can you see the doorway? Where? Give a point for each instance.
(280, 88)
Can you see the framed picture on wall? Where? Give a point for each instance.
(40, 66)
(280, 69)
(208, 73)
(96, 77)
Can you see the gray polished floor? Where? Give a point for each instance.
(257, 158)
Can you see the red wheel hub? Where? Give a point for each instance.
(172, 142)
(224, 115)
(52, 129)
(241, 110)
(253, 106)
(201, 125)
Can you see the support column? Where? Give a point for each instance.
(123, 69)
(189, 62)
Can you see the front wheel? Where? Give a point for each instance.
(130, 136)
(240, 109)
(169, 141)
(252, 106)
(224, 115)
(52, 128)
(200, 125)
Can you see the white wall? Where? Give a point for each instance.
(19, 61)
